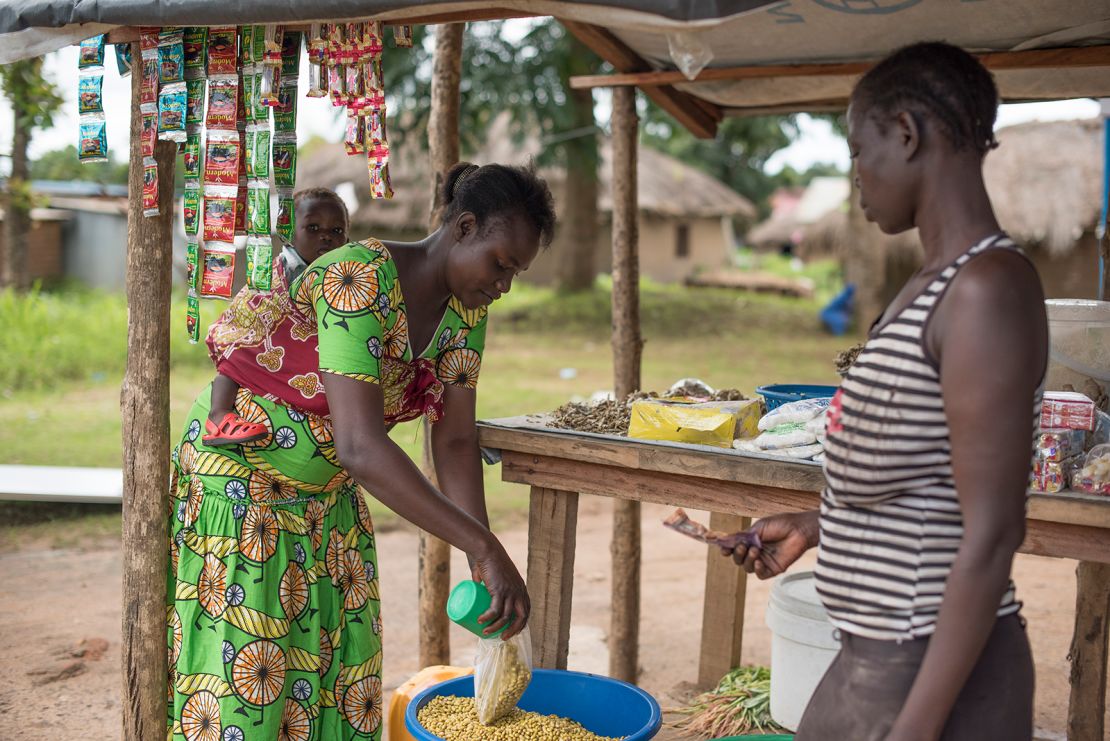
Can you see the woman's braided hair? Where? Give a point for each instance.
(495, 192)
(938, 80)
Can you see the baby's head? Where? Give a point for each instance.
(321, 222)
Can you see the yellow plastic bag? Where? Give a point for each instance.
(715, 423)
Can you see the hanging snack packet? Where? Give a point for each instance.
(221, 160)
(317, 60)
(91, 53)
(172, 106)
(222, 41)
(217, 270)
(286, 218)
(260, 263)
(93, 145)
(191, 210)
(290, 55)
(90, 95)
(285, 112)
(402, 36)
(149, 36)
(191, 157)
(353, 139)
(258, 208)
(241, 207)
(219, 218)
(258, 152)
(380, 185)
(148, 90)
(192, 263)
(150, 187)
(171, 58)
(194, 102)
(123, 59)
(223, 103)
(192, 317)
(285, 163)
(149, 134)
(194, 41)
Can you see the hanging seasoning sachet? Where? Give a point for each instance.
(93, 132)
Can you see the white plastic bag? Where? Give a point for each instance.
(502, 671)
(790, 435)
(796, 411)
(802, 451)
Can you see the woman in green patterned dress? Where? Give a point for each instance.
(273, 600)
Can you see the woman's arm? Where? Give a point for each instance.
(992, 337)
(379, 465)
(458, 462)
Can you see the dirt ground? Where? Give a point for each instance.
(60, 613)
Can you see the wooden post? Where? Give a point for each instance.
(722, 623)
(624, 630)
(145, 409)
(1088, 654)
(443, 147)
(552, 532)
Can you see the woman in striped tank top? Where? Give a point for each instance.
(929, 437)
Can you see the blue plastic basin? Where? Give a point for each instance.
(607, 707)
(781, 393)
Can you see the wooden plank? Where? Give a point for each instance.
(145, 410)
(649, 486)
(1063, 540)
(1088, 655)
(61, 484)
(1071, 508)
(699, 116)
(724, 465)
(722, 623)
(127, 34)
(552, 532)
(1067, 57)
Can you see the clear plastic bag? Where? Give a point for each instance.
(502, 671)
(1094, 476)
(798, 412)
(689, 53)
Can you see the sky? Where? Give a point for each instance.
(817, 142)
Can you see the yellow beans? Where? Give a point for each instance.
(500, 680)
(456, 719)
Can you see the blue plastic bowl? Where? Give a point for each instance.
(607, 707)
(782, 393)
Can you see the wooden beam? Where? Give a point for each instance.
(699, 116)
(434, 576)
(145, 409)
(624, 632)
(1066, 57)
(552, 534)
(722, 622)
(127, 34)
(1088, 654)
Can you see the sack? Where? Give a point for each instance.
(798, 412)
(790, 435)
(502, 671)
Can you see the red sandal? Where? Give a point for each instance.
(233, 430)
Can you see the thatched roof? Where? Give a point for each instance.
(1045, 180)
(667, 186)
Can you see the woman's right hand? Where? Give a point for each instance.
(506, 587)
(783, 538)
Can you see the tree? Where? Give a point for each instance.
(529, 78)
(64, 164)
(34, 100)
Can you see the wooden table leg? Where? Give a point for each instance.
(552, 530)
(722, 623)
(1087, 704)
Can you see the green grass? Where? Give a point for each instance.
(62, 406)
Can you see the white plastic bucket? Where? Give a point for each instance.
(803, 644)
(1079, 342)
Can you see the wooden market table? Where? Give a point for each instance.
(559, 465)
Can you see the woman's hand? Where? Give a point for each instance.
(506, 587)
(784, 539)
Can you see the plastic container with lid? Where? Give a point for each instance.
(468, 601)
(1079, 342)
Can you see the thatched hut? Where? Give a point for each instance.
(686, 216)
(1045, 181)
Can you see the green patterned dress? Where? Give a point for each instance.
(273, 598)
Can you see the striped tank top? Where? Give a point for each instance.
(890, 520)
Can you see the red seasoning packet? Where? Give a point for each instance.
(217, 270)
